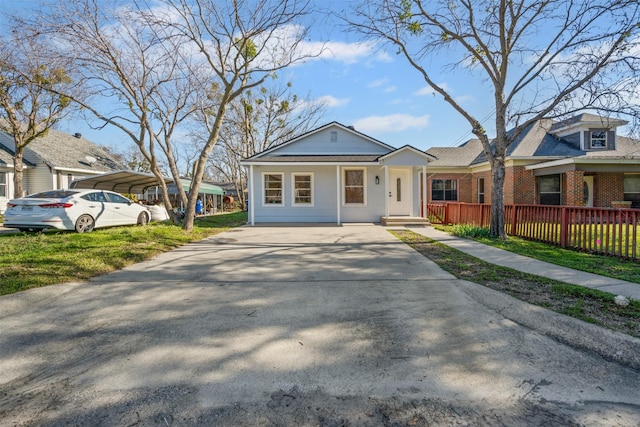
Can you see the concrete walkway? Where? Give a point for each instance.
(532, 266)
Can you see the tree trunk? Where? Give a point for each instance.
(18, 166)
(497, 198)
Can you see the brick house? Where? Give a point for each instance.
(581, 161)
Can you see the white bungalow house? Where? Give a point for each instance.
(335, 174)
(51, 162)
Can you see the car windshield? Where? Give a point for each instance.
(53, 194)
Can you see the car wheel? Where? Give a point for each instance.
(143, 218)
(85, 224)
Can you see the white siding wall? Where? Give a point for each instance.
(320, 143)
(39, 179)
(324, 209)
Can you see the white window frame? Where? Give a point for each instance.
(364, 186)
(264, 194)
(4, 185)
(293, 189)
(591, 139)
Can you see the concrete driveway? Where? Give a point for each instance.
(291, 326)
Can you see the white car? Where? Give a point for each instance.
(74, 209)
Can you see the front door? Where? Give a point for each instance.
(588, 191)
(400, 197)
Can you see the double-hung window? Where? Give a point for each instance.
(3, 184)
(273, 188)
(354, 190)
(444, 190)
(550, 189)
(598, 139)
(302, 189)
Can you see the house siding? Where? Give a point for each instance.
(320, 143)
(574, 140)
(39, 179)
(324, 209)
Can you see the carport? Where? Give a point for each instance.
(130, 182)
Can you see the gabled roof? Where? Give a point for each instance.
(60, 150)
(6, 155)
(413, 150)
(588, 119)
(460, 156)
(350, 129)
(538, 140)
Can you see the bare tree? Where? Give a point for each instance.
(242, 43)
(29, 104)
(135, 72)
(536, 59)
(256, 121)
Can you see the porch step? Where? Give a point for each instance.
(404, 220)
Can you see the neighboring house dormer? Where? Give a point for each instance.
(588, 132)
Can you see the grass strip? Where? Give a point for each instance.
(617, 268)
(589, 305)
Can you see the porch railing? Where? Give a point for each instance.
(606, 231)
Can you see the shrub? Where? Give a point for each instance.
(471, 231)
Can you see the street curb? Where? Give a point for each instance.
(613, 346)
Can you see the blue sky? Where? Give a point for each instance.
(363, 85)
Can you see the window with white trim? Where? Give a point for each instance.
(302, 189)
(598, 139)
(273, 188)
(3, 184)
(354, 190)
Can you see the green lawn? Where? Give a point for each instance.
(30, 260)
(599, 264)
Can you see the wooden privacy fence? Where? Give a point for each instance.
(606, 231)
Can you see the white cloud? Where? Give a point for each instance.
(377, 83)
(347, 53)
(464, 99)
(428, 90)
(390, 89)
(331, 101)
(391, 123)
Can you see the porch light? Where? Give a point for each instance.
(377, 180)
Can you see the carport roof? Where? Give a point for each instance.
(134, 182)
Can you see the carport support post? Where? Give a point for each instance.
(338, 192)
(251, 193)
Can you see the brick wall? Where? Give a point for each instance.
(573, 188)
(608, 187)
(519, 186)
(487, 187)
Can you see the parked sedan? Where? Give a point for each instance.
(75, 209)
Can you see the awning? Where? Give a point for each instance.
(130, 182)
(204, 188)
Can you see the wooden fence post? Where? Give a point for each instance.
(564, 227)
